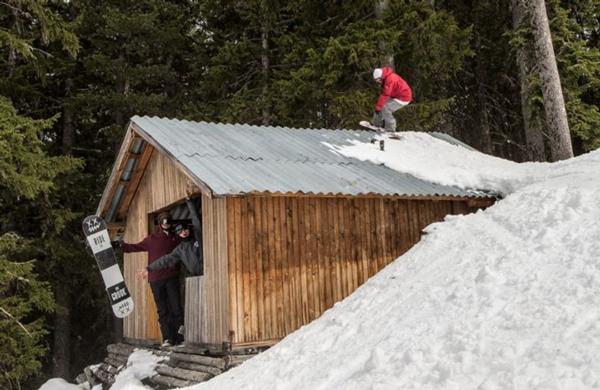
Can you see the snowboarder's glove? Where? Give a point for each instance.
(116, 244)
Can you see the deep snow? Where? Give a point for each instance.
(506, 298)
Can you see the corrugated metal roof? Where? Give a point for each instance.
(234, 159)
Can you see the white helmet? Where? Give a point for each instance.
(377, 73)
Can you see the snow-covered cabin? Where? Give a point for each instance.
(290, 226)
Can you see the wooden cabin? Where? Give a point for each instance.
(290, 226)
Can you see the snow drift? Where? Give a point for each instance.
(504, 298)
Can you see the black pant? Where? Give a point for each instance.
(170, 315)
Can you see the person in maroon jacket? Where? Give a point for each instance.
(395, 94)
(164, 282)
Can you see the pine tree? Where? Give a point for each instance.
(23, 301)
(32, 33)
(27, 172)
(134, 60)
(576, 36)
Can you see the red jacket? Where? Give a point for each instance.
(156, 244)
(392, 87)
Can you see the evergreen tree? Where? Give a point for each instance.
(134, 60)
(23, 301)
(27, 173)
(32, 34)
(576, 34)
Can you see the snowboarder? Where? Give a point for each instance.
(164, 283)
(395, 94)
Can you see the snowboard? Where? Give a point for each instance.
(98, 241)
(368, 125)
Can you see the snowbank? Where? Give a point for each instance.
(61, 384)
(140, 364)
(505, 298)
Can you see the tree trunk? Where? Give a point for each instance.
(67, 138)
(12, 52)
(532, 122)
(62, 316)
(264, 59)
(61, 356)
(386, 56)
(482, 101)
(554, 104)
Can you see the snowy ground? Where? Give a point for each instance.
(506, 298)
(140, 365)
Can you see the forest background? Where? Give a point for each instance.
(73, 72)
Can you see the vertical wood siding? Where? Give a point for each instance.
(162, 185)
(214, 291)
(292, 258)
(194, 322)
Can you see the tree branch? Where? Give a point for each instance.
(17, 321)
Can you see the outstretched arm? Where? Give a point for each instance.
(165, 261)
(195, 219)
(190, 189)
(141, 246)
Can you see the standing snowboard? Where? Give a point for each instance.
(98, 240)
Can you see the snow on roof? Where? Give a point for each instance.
(234, 159)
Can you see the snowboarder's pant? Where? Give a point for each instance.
(385, 117)
(170, 315)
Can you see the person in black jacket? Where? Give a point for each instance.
(189, 251)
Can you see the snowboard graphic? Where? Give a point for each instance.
(98, 240)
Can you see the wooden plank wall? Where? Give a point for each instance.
(214, 303)
(292, 258)
(162, 185)
(193, 316)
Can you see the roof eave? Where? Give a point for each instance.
(133, 131)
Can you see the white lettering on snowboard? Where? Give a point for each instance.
(99, 241)
(118, 294)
